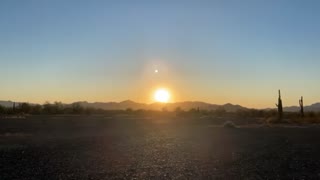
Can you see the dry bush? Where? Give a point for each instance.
(311, 118)
(229, 124)
(272, 120)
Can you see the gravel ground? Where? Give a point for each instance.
(94, 147)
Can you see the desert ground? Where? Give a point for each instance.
(128, 147)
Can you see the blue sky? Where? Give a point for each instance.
(214, 51)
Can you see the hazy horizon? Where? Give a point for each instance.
(151, 103)
(238, 52)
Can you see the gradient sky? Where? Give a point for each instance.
(215, 51)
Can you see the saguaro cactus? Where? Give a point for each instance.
(279, 105)
(301, 106)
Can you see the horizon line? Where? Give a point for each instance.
(187, 101)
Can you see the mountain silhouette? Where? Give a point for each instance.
(6, 103)
(186, 105)
(313, 107)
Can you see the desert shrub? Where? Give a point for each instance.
(193, 111)
(178, 111)
(204, 112)
(292, 117)
(229, 124)
(89, 110)
(271, 113)
(24, 108)
(139, 112)
(58, 107)
(311, 117)
(254, 113)
(36, 109)
(220, 111)
(48, 108)
(309, 120)
(310, 114)
(242, 113)
(9, 111)
(77, 108)
(2, 110)
(272, 120)
(129, 110)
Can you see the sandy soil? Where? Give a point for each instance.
(97, 147)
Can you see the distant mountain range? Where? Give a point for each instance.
(6, 103)
(314, 107)
(154, 106)
(187, 105)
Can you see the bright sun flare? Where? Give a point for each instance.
(162, 95)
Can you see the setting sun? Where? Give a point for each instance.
(162, 95)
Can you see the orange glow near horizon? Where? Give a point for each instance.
(162, 95)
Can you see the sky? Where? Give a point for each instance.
(216, 51)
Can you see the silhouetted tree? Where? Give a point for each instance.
(24, 108)
(77, 108)
(48, 108)
(178, 111)
(89, 110)
(57, 108)
(36, 109)
(2, 110)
